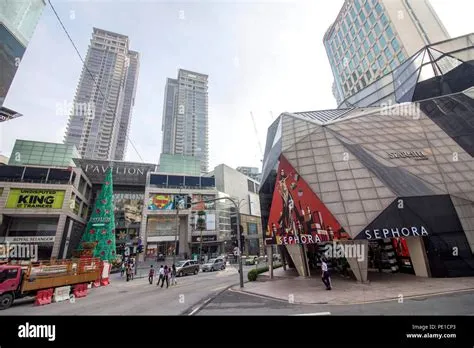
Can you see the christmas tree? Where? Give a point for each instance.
(100, 229)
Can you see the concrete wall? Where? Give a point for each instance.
(235, 184)
(465, 211)
(295, 251)
(418, 257)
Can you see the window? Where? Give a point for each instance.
(370, 57)
(378, 8)
(381, 61)
(354, 77)
(367, 27)
(351, 49)
(371, 38)
(364, 64)
(383, 42)
(395, 45)
(366, 45)
(250, 186)
(356, 61)
(362, 16)
(361, 35)
(344, 46)
(401, 57)
(375, 68)
(377, 30)
(363, 82)
(368, 75)
(389, 32)
(367, 7)
(353, 14)
(360, 53)
(351, 65)
(376, 49)
(372, 19)
(357, 5)
(353, 33)
(383, 20)
(393, 64)
(388, 54)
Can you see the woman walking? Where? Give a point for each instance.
(166, 272)
(173, 275)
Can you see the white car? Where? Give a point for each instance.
(212, 265)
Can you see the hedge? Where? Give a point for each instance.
(253, 274)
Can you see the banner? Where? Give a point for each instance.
(210, 222)
(128, 208)
(35, 199)
(159, 201)
(297, 216)
(202, 205)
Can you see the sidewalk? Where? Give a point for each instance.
(288, 286)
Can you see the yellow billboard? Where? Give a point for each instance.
(35, 199)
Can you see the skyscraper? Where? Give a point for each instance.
(100, 117)
(185, 117)
(18, 20)
(370, 38)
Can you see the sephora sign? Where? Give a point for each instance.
(383, 233)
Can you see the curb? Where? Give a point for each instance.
(201, 304)
(352, 303)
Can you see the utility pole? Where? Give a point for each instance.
(177, 227)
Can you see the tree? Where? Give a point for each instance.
(201, 225)
(100, 229)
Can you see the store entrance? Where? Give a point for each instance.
(389, 255)
(208, 252)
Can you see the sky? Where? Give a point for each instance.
(262, 57)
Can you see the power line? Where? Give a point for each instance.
(85, 66)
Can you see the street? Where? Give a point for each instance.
(137, 297)
(233, 302)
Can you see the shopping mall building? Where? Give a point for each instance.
(396, 180)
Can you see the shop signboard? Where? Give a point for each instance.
(297, 215)
(199, 202)
(35, 199)
(30, 239)
(205, 239)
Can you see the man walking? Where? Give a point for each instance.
(325, 276)
(151, 274)
(161, 273)
(165, 277)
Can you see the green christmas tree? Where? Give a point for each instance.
(101, 226)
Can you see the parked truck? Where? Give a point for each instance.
(18, 281)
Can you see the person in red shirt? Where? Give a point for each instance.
(151, 274)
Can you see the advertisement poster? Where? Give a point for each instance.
(202, 205)
(210, 222)
(297, 216)
(160, 202)
(128, 206)
(35, 199)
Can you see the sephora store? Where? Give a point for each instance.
(391, 187)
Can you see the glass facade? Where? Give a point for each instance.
(179, 164)
(27, 152)
(18, 20)
(369, 32)
(419, 77)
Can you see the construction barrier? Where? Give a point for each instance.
(61, 294)
(80, 290)
(105, 274)
(44, 297)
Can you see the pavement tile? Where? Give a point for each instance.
(287, 286)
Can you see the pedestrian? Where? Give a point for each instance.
(129, 273)
(325, 276)
(165, 277)
(173, 275)
(161, 273)
(122, 270)
(151, 273)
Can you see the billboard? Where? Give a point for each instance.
(202, 205)
(35, 199)
(158, 201)
(128, 208)
(297, 216)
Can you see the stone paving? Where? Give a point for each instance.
(288, 286)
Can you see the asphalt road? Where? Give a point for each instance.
(137, 297)
(236, 303)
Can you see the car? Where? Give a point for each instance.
(212, 265)
(187, 267)
(251, 260)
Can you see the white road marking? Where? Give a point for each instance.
(194, 310)
(220, 288)
(311, 314)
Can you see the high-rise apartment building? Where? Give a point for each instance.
(251, 172)
(185, 117)
(370, 38)
(18, 20)
(100, 119)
